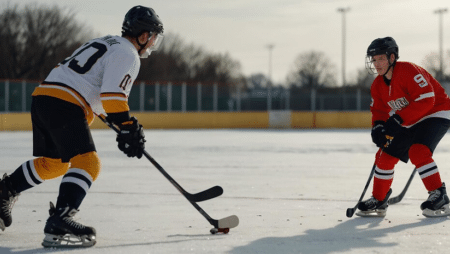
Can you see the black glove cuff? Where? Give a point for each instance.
(393, 125)
(378, 124)
(130, 124)
(397, 118)
(118, 118)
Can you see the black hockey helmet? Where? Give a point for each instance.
(141, 19)
(383, 46)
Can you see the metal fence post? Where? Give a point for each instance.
(313, 99)
(169, 97)
(358, 99)
(288, 97)
(157, 96)
(199, 96)
(183, 97)
(24, 96)
(7, 96)
(141, 96)
(238, 99)
(215, 97)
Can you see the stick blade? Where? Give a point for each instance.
(350, 212)
(210, 193)
(229, 222)
(394, 200)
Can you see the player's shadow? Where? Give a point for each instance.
(4, 250)
(358, 233)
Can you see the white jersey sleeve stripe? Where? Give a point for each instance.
(114, 98)
(424, 96)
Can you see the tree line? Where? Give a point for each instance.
(35, 38)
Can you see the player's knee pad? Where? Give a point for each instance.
(89, 162)
(48, 168)
(386, 161)
(420, 155)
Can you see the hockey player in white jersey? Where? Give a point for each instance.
(96, 79)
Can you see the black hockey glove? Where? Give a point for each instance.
(393, 125)
(131, 138)
(379, 134)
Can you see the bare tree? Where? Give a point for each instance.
(364, 78)
(34, 38)
(178, 61)
(431, 63)
(312, 70)
(217, 68)
(257, 80)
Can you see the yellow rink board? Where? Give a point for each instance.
(211, 120)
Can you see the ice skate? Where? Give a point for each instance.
(61, 231)
(373, 208)
(7, 199)
(437, 204)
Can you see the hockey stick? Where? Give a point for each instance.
(222, 225)
(400, 196)
(210, 193)
(351, 211)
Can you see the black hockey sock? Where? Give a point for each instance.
(25, 177)
(71, 195)
(74, 187)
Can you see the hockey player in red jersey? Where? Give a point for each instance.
(95, 80)
(410, 115)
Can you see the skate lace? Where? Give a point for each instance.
(8, 204)
(434, 195)
(371, 201)
(72, 223)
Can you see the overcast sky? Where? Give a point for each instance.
(244, 28)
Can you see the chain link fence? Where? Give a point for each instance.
(15, 96)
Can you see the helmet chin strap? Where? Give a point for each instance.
(386, 80)
(142, 46)
(390, 65)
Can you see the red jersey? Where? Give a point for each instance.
(413, 94)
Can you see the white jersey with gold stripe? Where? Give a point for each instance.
(102, 71)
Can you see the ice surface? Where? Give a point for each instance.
(289, 188)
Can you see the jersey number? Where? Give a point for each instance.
(74, 63)
(420, 80)
(125, 82)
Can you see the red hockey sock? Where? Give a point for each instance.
(384, 175)
(420, 156)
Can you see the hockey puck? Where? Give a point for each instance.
(219, 230)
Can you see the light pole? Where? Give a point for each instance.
(343, 11)
(441, 60)
(269, 82)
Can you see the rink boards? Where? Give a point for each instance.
(217, 120)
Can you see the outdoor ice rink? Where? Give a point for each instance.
(289, 188)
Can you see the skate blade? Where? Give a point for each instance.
(373, 213)
(443, 212)
(68, 241)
